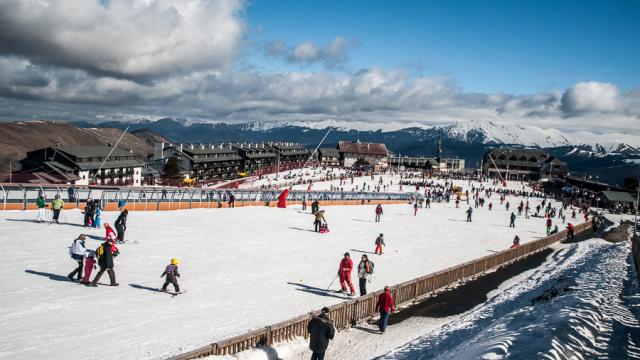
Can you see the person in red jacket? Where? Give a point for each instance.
(346, 265)
(378, 212)
(110, 235)
(385, 306)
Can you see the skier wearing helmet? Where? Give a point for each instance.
(379, 244)
(172, 275)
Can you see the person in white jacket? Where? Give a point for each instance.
(77, 251)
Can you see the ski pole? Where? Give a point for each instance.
(334, 280)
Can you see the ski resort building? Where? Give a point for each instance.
(329, 157)
(82, 165)
(202, 163)
(522, 164)
(354, 153)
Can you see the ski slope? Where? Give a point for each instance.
(244, 268)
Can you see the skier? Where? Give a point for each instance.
(172, 275)
(385, 306)
(77, 251)
(105, 260)
(415, 208)
(41, 204)
(57, 205)
(549, 223)
(378, 212)
(365, 269)
(379, 244)
(89, 265)
(110, 235)
(469, 212)
(513, 220)
(516, 242)
(96, 223)
(121, 225)
(346, 265)
(318, 220)
(321, 331)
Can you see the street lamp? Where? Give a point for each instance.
(635, 219)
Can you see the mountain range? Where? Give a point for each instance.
(611, 156)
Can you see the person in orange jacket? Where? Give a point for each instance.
(385, 306)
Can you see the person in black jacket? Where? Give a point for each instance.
(89, 210)
(121, 225)
(321, 330)
(105, 260)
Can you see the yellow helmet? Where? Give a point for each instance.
(174, 261)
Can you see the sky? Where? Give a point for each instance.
(567, 65)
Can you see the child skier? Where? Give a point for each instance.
(172, 275)
(96, 224)
(379, 244)
(89, 265)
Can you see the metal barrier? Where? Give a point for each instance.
(350, 312)
(24, 196)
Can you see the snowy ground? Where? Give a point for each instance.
(244, 268)
(582, 302)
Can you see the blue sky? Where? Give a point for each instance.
(518, 47)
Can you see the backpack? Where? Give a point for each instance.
(371, 267)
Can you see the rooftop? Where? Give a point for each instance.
(92, 151)
(362, 148)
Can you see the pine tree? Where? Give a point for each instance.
(171, 172)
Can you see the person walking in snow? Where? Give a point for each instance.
(415, 208)
(385, 306)
(365, 269)
(42, 205)
(469, 212)
(507, 206)
(98, 220)
(105, 260)
(378, 212)
(57, 205)
(344, 273)
(570, 232)
(549, 223)
(513, 220)
(172, 275)
(89, 210)
(121, 225)
(319, 219)
(379, 244)
(321, 331)
(77, 251)
(315, 206)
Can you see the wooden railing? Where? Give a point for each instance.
(350, 312)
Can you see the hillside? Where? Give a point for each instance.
(17, 138)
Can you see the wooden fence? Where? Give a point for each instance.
(350, 312)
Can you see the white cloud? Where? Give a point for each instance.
(590, 96)
(333, 55)
(123, 38)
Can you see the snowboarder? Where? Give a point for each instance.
(57, 205)
(516, 242)
(121, 225)
(77, 251)
(365, 269)
(469, 212)
(321, 331)
(344, 272)
(89, 265)
(513, 220)
(104, 254)
(385, 306)
(42, 205)
(172, 275)
(378, 212)
(319, 218)
(379, 244)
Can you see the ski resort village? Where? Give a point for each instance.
(274, 250)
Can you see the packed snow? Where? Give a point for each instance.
(244, 268)
(582, 302)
